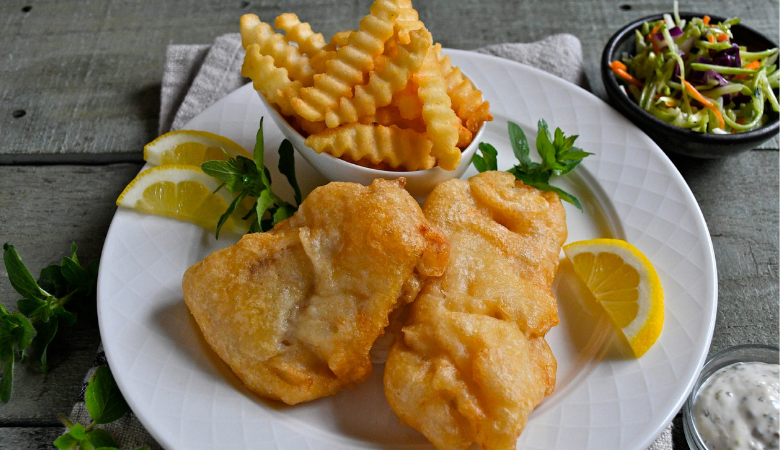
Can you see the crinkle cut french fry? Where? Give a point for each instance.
(464, 135)
(437, 112)
(390, 115)
(341, 38)
(376, 144)
(466, 100)
(269, 80)
(408, 102)
(407, 21)
(309, 42)
(352, 61)
(308, 127)
(271, 43)
(320, 60)
(392, 75)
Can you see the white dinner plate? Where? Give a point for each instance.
(189, 399)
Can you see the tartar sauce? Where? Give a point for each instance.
(738, 407)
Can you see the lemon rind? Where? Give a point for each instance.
(643, 331)
(175, 173)
(153, 151)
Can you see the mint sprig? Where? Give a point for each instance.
(250, 178)
(558, 154)
(42, 310)
(105, 404)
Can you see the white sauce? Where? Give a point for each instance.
(738, 407)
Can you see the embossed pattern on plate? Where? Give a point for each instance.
(189, 399)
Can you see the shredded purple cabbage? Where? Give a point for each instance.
(727, 58)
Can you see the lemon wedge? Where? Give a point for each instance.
(625, 284)
(190, 147)
(185, 193)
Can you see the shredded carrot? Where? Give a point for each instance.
(621, 71)
(711, 38)
(651, 38)
(619, 65)
(656, 48)
(689, 87)
(706, 20)
(722, 37)
(741, 120)
(753, 65)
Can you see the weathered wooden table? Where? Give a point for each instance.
(80, 84)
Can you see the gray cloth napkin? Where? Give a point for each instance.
(196, 76)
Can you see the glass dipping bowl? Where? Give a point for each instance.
(732, 355)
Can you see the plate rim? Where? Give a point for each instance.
(710, 271)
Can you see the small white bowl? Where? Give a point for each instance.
(419, 183)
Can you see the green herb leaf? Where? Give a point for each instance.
(24, 331)
(287, 167)
(559, 157)
(263, 203)
(21, 279)
(46, 333)
(519, 144)
(52, 281)
(66, 442)
(77, 276)
(488, 160)
(250, 178)
(221, 170)
(99, 438)
(545, 147)
(103, 399)
(78, 431)
(282, 213)
(232, 207)
(16, 334)
(259, 156)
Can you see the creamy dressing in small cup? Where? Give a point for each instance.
(738, 407)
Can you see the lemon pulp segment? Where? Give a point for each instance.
(182, 192)
(190, 147)
(624, 282)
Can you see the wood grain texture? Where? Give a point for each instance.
(42, 210)
(87, 73)
(34, 438)
(739, 199)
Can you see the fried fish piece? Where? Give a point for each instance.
(473, 361)
(294, 311)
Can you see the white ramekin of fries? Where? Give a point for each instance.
(377, 102)
(419, 183)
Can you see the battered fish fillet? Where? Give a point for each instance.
(294, 311)
(473, 362)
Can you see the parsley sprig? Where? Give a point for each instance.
(559, 157)
(42, 309)
(250, 178)
(105, 404)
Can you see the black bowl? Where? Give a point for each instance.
(670, 138)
